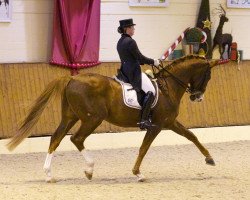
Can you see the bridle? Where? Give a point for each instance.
(188, 88)
(204, 80)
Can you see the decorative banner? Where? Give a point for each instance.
(174, 45)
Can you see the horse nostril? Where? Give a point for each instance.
(192, 97)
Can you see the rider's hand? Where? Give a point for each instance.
(156, 62)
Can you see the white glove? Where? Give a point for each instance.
(156, 62)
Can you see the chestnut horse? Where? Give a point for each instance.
(93, 98)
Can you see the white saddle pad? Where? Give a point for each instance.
(130, 97)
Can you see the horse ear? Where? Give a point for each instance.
(213, 63)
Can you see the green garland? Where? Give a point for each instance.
(194, 35)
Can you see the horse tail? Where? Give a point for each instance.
(55, 88)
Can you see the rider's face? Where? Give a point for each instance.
(130, 30)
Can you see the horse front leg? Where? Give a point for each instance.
(147, 141)
(178, 128)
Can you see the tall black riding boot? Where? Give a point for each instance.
(145, 113)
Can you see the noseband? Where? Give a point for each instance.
(188, 88)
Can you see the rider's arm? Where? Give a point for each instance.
(138, 55)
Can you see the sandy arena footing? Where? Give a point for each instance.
(176, 171)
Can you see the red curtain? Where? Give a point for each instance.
(76, 33)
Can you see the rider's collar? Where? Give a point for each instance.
(126, 35)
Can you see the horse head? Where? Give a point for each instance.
(198, 82)
(193, 76)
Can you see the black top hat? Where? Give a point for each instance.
(126, 23)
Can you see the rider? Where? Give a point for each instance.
(131, 59)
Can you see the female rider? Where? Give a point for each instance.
(131, 59)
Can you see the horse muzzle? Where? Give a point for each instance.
(196, 96)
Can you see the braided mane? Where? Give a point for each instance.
(183, 59)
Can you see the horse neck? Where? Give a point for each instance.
(172, 89)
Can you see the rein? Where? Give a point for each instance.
(181, 83)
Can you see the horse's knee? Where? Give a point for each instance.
(78, 143)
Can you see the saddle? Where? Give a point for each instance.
(130, 95)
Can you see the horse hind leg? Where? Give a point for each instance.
(91, 111)
(56, 138)
(87, 127)
(67, 122)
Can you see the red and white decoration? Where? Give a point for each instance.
(174, 45)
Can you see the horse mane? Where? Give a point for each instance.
(183, 59)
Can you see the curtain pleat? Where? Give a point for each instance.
(76, 33)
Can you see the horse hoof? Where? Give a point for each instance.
(141, 178)
(210, 161)
(88, 175)
(50, 180)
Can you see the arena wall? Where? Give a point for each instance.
(227, 100)
(28, 37)
(25, 48)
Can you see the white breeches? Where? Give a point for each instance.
(146, 84)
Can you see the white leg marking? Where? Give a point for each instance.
(47, 167)
(141, 177)
(89, 161)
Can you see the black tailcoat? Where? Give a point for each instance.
(131, 59)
